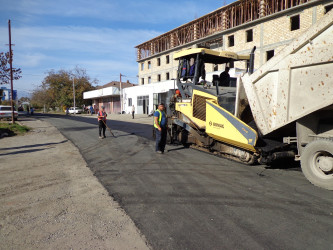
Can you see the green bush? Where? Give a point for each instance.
(13, 129)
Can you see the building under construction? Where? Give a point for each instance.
(269, 25)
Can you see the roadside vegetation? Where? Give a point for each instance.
(56, 90)
(5, 71)
(12, 129)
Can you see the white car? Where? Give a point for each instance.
(6, 112)
(75, 110)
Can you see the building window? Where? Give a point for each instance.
(129, 102)
(216, 67)
(231, 41)
(142, 81)
(142, 66)
(294, 23)
(328, 8)
(167, 58)
(269, 54)
(149, 65)
(167, 76)
(249, 35)
(158, 78)
(158, 61)
(149, 80)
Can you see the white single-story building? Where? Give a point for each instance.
(145, 98)
(107, 96)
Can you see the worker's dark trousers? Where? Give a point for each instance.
(132, 114)
(161, 137)
(101, 126)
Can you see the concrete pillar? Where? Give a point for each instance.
(262, 8)
(224, 21)
(172, 40)
(152, 49)
(138, 53)
(195, 28)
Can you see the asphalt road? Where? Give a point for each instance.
(187, 199)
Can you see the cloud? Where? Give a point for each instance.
(133, 11)
(103, 52)
(79, 38)
(31, 60)
(78, 42)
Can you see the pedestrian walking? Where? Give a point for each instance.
(133, 111)
(91, 110)
(32, 110)
(102, 122)
(160, 124)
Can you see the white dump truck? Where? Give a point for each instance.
(292, 94)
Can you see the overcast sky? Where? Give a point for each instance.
(98, 36)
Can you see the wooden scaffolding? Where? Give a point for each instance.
(232, 15)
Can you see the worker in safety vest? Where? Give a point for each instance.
(160, 124)
(101, 115)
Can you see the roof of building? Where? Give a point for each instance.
(211, 55)
(116, 84)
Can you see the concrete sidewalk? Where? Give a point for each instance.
(51, 200)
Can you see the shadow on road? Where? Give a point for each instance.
(35, 145)
(25, 151)
(286, 164)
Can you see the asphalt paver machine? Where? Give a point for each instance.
(284, 109)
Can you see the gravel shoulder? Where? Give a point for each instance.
(50, 199)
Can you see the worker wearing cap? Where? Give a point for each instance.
(101, 115)
(225, 77)
(160, 124)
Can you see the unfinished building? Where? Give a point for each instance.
(269, 25)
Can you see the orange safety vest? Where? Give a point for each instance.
(101, 113)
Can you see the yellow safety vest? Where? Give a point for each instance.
(159, 118)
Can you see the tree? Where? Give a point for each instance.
(57, 88)
(5, 69)
(40, 97)
(24, 99)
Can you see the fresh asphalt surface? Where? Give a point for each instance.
(187, 199)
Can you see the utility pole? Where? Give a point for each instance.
(174, 85)
(74, 95)
(121, 95)
(11, 70)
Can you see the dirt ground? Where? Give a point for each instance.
(51, 200)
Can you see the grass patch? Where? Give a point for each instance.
(13, 129)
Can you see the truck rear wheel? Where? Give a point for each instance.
(317, 163)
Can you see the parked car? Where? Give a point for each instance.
(75, 110)
(6, 112)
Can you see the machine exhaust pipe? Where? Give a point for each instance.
(251, 66)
